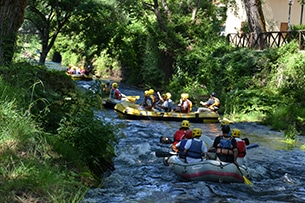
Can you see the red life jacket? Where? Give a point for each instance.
(179, 134)
(241, 146)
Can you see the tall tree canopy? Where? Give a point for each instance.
(173, 37)
(11, 18)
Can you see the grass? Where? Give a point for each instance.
(34, 154)
(28, 168)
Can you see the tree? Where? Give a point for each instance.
(11, 18)
(50, 17)
(176, 35)
(256, 19)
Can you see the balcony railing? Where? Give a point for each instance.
(267, 39)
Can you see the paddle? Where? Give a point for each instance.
(166, 140)
(132, 98)
(246, 180)
(250, 146)
(164, 154)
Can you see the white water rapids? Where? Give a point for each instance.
(276, 168)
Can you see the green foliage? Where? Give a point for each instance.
(247, 101)
(298, 27)
(25, 167)
(92, 139)
(291, 133)
(40, 92)
(52, 145)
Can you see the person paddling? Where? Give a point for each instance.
(213, 104)
(241, 146)
(225, 146)
(193, 150)
(115, 93)
(183, 131)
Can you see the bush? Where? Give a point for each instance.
(52, 145)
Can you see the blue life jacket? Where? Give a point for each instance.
(170, 105)
(112, 94)
(181, 148)
(225, 144)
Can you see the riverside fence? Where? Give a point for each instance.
(267, 39)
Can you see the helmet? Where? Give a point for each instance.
(225, 122)
(236, 132)
(169, 95)
(188, 134)
(197, 132)
(213, 94)
(185, 124)
(225, 129)
(185, 96)
(164, 96)
(151, 91)
(115, 85)
(108, 82)
(146, 93)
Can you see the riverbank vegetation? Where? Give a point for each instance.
(52, 146)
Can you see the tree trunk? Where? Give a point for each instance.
(256, 20)
(11, 18)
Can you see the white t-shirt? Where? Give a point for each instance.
(187, 145)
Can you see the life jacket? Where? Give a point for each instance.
(190, 105)
(215, 105)
(181, 148)
(241, 146)
(225, 146)
(188, 108)
(148, 102)
(115, 94)
(195, 149)
(179, 134)
(153, 99)
(170, 105)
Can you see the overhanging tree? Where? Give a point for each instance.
(49, 17)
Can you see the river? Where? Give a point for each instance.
(276, 168)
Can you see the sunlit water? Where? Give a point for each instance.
(140, 176)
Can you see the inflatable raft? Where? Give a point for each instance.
(110, 103)
(208, 170)
(134, 111)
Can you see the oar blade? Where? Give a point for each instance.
(162, 154)
(165, 140)
(250, 146)
(247, 181)
(133, 98)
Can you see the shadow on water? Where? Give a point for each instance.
(276, 168)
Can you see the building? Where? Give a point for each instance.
(276, 14)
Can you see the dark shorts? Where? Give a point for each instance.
(225, 158)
